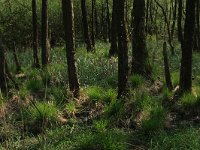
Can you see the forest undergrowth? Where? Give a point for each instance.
(43, 114)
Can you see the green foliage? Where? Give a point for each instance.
(110, 96)
(115, 108)
(189, 100)
(71, 107)
(40, 115)
(34, 85)
(136, 80)
(187, 138)
(100, 125)
(166, 93)
(112, 140)
(155, 121)
(57, 95)
(94, 93)
(175, 78)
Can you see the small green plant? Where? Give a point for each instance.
(71, 107)
(166, 93)
(136, 80)
(40, 115)
(114, 109)
(100, 125)
(189, 100)
(110, 95)
(155, 121)
(94, 93)
(57, 94)
(175, 78)
(34, 85)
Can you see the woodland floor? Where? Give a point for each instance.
(43, 114)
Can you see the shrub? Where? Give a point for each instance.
(40, 115)
(136, 80)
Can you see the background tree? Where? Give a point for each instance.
(85, 26)
(35, 35)
(2, 67)
(68, 21)
(114, 47)
(45, 41)
(187, 47)
(123, 50)
(140, 62)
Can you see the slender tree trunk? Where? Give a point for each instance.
(108, 19)
(18, 66)
(166, 66)
(45, 42)
(68, 21)
(167, 21)
(114, 47)
(93, 22)
(198, 23)
(3, 84)
(174, 18)
(140, 62)
(187, 45)
(123, 50)
(197, 29)
(96, 23)
(85, 27)
(35, 35)
(180, 14)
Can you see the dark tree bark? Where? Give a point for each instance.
(3, 84)
(180, 15)
(45, 41)
(166, 67)
(96, 23)
(93, 22)
(123, 50)
(114, 47)
(140, 62)
(187, 46)
(35, 35)
(85, 27)
(108, 19)
(68, 21)
(198, 24)
(197, 29)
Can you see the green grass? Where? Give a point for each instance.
(179, 139)
(137, 81)
(128, 123)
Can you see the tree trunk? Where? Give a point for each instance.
(68, 21)
(180, 14)
(93, 22)
(187, 46)
(45, 42)
(35, 35)
(18, 66)
(174, 18)
(140, 62)
(85, 27)
(123, 51)
(166, 66)
(114, 47)
(108, 19)
(3, 84)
